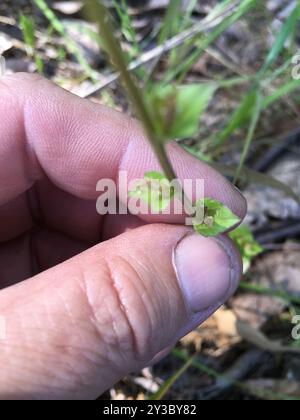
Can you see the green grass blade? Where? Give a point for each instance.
(241, 115)
(71, 44)
(28, 29)
(171, 22)
(214, 374)
(127, 27)
(202, 43)
(250, 176)
(189, 11)
(255, 288)
(251, 131)
(286, 32)
(280, 92)
(165, 388)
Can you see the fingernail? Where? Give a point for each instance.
(207, 270)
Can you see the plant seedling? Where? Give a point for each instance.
(168, 112)
(154, 190)
(217, 218)
(246, 244)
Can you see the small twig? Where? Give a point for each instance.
(276, 152)
(8, 21)
(174, 42)
(242, 367)
(287, 230)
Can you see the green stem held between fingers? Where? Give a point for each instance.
(220, 218)
(98, 11)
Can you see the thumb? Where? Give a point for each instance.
(74, 330)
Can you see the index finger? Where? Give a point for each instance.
(46, 131)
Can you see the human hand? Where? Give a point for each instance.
(133, 287)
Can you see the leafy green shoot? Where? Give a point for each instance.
(176, 111)
(217, 218)
(155, 190)
(28, 29)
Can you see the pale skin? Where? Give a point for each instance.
(87, 299)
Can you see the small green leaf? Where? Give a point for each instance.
(217, 218)
(154, 190)
(176, 111)
(250, 134)
(156, 176)
(240, 116)
(246, 244)
(28, 29)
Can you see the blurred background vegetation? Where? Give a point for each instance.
(243, 60)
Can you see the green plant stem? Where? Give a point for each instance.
(256, 288)
(166, 387)
(116, 55)
(99, 11)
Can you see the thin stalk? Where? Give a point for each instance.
(211, 22)
(256, 288)
(99, 11)
(116, 55)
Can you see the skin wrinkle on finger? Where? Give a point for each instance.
(17, 143)
(151, 290)
(77, 359)
(86, 285)
(87, 353)
(70, 215)
(47, 248)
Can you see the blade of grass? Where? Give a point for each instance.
(184, 67)
(209, 23)
(250, 176)
(286, 32)
(250, 135)
(166, 387)
(126, 26)
(283, 90)
(97, 11)
(240, 116)
(28, 29)
(189, 11)
(214, 374)
(171, 22)
(70, 43)
(255, 288)
(27, 25)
